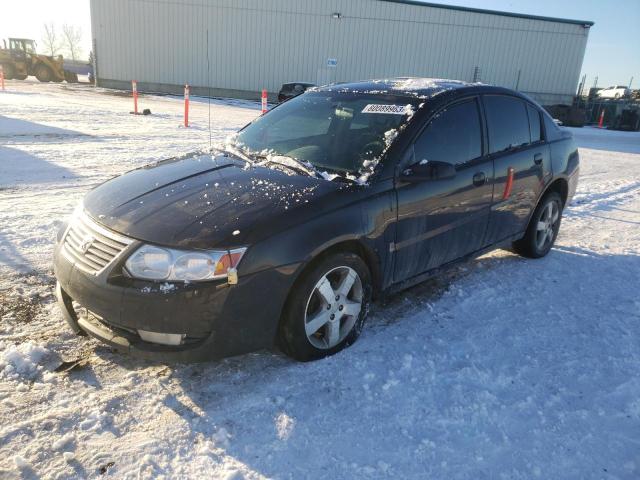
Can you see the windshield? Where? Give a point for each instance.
(340, 132)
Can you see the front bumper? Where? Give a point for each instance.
(217, 319)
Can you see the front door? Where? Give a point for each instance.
(442, 220)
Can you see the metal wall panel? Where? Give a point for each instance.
(255, 44)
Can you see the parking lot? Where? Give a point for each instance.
(501, 368)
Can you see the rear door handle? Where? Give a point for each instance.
(479, 179)
(537, 158)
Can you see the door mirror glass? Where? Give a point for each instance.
(429, 171)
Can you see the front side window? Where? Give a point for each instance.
(454, 136)
(340, 132)
(507, 121)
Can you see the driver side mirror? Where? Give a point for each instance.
(425, 171)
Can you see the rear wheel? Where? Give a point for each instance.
(43, 73)
(9, 71)
(327, 307)
(543, 228)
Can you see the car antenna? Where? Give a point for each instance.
(209, 84)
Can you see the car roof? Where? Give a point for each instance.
(402, 86)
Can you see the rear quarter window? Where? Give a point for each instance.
(552, 131)
(535, 123)
(508, 122)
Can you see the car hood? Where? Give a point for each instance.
(205, 201)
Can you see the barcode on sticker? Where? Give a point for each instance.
(388, 109)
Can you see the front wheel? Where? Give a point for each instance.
(44, 74)
(70, 77)
(327, 307)
(543, 228)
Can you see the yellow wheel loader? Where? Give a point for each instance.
(19, 60)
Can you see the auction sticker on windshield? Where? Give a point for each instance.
(388, 109)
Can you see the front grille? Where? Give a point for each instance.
(90, 246)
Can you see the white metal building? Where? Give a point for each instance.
(255, 44)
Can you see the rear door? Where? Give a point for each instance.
(441, 220)
(522, 163)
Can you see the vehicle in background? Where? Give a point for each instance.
(568, 115)
(293, 89)
(19, 59)
(616, 91)
(628, 120)
(288, 231)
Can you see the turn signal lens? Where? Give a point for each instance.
(230, 260)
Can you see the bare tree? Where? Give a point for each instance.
(72, 37)
(50, 39)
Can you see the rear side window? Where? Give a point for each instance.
(453, 136)
(534, 124)
(508, 122)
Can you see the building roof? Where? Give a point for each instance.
(585, 23)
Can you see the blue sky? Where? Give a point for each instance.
(613, 51)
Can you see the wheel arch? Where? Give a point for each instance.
(355, 246)
(559, 185)
(368, 256)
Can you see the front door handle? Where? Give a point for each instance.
(537, 158)
(479, 179)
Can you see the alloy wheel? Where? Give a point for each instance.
(545, 230)
(333, 307)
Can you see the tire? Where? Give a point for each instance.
(70, 77)
(43, 73)
(336, 327)
(9, 71)
(543, 228)
(20, 77)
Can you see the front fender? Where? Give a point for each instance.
(298, 245)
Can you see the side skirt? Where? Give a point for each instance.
(410, 282)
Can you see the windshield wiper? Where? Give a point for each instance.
(237, 153)
(299, 166)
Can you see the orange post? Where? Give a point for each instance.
(264, 101)
(134, 88)
(2, 77)
(186, 105)
(601, 121)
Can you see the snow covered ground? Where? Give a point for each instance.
(502, 368)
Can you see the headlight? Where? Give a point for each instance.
(157, 263)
